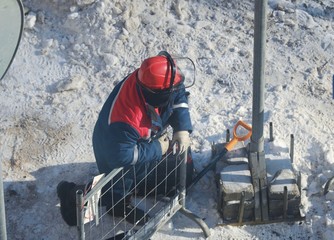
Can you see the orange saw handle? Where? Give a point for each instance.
(238, 138)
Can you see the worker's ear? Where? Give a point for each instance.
(11, 25)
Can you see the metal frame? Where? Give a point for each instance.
(175, 204)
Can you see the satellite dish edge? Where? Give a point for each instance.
(11, 27)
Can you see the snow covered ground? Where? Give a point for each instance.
(74, 51)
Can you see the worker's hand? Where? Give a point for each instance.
(164, 143)
(183, 139)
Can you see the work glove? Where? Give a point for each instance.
(164, 143)
(183, 139)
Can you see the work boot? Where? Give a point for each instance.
(66, 192)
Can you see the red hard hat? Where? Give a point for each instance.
(155, 73)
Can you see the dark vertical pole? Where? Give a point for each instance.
(80, 214)
(241, 208)
(228, 135)
(292, 146)
(285, 202)
(183, 178)
(3, 233)
(271, 134)
(257, 140)
(257, 156)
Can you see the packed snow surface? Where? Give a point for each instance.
(72, 54)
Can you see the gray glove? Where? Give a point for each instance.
(182, 137)
(164, 143)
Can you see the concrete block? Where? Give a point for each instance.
(230, 211)
(283, 178)
(234, 180)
